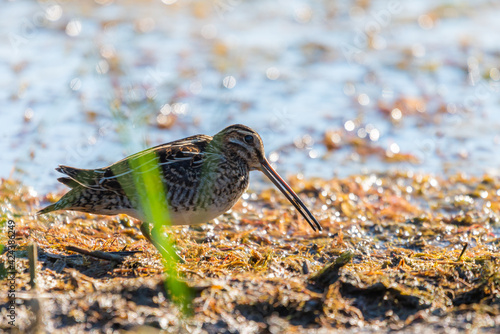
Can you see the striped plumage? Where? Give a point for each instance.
(203, 176)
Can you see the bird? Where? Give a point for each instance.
(203, 177)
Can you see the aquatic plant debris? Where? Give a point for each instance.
(392, 256)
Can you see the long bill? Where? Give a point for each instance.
(289, 194)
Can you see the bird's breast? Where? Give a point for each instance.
(213, 193)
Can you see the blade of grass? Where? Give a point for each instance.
(150, 190)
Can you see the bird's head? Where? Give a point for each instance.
(240, 141)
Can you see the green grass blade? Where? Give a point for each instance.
(150, 191)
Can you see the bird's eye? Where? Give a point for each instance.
(249, 139)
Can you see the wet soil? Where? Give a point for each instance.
(405, 252)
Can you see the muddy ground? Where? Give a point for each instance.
(405, 252)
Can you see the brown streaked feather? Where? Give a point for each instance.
(185, 153)
(68, 182)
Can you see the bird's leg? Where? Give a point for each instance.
(147, 230)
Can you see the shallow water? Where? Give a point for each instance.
(84, 84)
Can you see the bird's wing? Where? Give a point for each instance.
(185, 156)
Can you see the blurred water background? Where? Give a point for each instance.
(334, 87)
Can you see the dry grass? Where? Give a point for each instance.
(389, 258)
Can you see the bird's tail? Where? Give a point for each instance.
(77, 180)
(52, 207)
(65, 202)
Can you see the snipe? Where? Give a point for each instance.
(203, 176)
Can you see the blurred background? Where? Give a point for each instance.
(333, 87)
